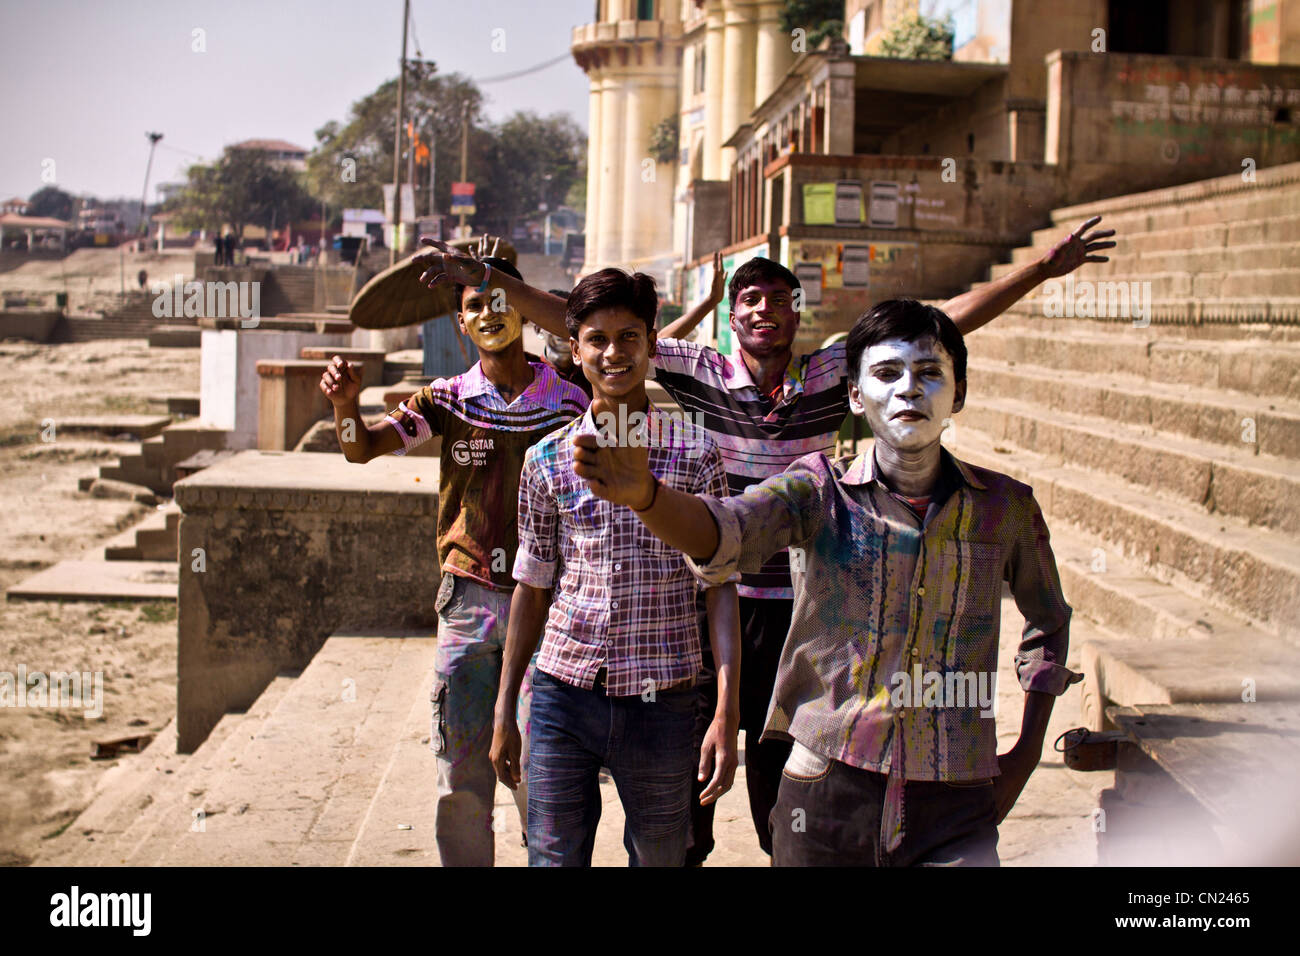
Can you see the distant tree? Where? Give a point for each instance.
(51, 201)
(820, 18)
(919, 38)
(352, 160)
(531, 160)
(241, 188)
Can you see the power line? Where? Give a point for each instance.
(518, 73)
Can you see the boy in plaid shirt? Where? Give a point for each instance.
(614, 609)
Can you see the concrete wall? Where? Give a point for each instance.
(294, 547)
(1123, 123)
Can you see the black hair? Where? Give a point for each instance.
(911, 321)
(757, 270)
(498, 265)
(612, 289)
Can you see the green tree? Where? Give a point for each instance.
(352, 160)
(530, 160)
(919, 38)
(820, 18)
(51, 201)
(241, 188)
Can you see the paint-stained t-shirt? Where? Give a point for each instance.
(893, 645)
(484, 439)
(758, 437)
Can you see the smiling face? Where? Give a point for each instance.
(906, 390)
(614, 349)
(764, 318)
(489, 320)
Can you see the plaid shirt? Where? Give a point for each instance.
(622, 600)
(883, 592)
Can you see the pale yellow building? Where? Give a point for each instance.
(1043, 102)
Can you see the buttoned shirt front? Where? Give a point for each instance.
(881, 593)
(622, 599)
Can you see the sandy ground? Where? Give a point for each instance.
(44, 752)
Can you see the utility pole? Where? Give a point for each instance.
(153, 144)
(397, 137)
(464, 156)
(433, 162)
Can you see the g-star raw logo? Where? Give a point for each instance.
(472, 452)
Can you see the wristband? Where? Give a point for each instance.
(653, 497)
(487, 274)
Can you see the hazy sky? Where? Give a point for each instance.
(81, 82)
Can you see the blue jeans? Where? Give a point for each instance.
(649, 749)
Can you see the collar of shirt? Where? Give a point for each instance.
(736, 375)
(474, 383)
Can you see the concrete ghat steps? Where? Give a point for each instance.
(1257, 367)
(299, 792)
(1247, 572)
(1216, 416)
(1261, 490)
(131, 796)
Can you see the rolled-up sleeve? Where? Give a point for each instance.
(537, 557)
(784, 510)
(1036, 586)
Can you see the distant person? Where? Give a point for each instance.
(142, 277)
(218, 250)
(230, 248)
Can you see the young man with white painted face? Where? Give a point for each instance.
(902, 555)
(615, 611)
(766, 407)
(488, 417)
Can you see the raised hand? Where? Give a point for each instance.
(1077, 248)
(340, 382)
(441, 263)
(617, 472)
(717, 289)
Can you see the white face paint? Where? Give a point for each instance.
(905, 390)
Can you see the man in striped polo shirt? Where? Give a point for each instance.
(766, 407)
(488, 418)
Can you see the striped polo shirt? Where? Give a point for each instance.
(757, 437)
(484, 439)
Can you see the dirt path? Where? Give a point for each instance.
(44, 751)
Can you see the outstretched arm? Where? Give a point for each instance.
(682, 327)
(970, 310)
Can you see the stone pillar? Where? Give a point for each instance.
(773, 54)
(646, 230)
(738, 81)
(594, 162)
(836, 129)
(612, 105)
(714, 78)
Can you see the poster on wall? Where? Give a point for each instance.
(884, 205)
(819, 204)
(855, 266)
(848, 203)
(809, 275)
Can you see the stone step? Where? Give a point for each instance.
(1132, 259)
(153, 539)
(163, 802)
(1258, 368)
(1249, 572)
(1241, 425)
(300, 790)
(1274, 229)
(1265, 493)
(84, 580)
(142, 426)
